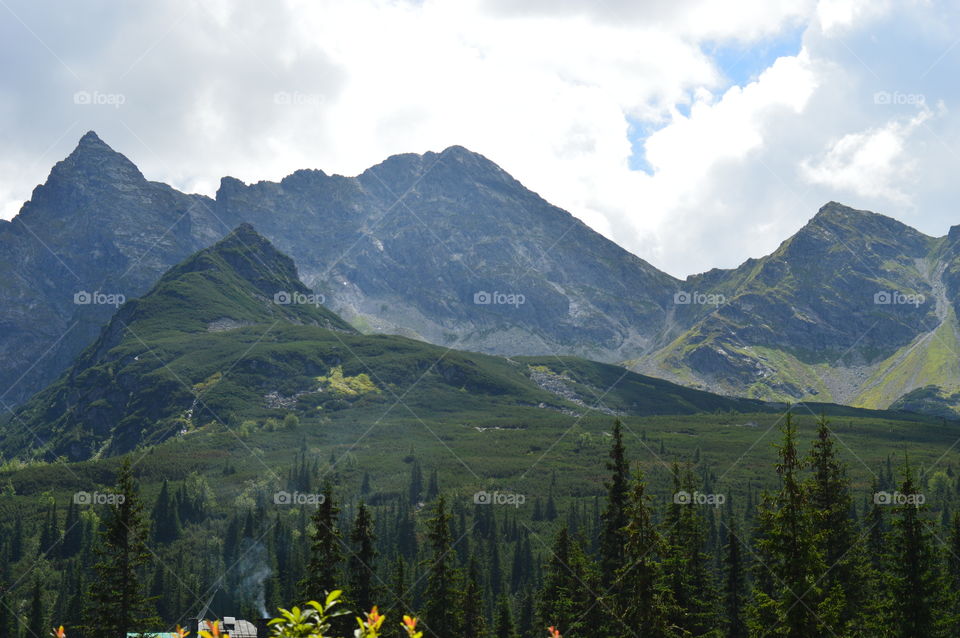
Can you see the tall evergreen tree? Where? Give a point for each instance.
(441, 611)
(474, 620)
(504, 627)
(415, 489)
(787, 595)
(686, 565)
(362, 576)
(615, 516)
(643, 602)
(72, 532)
(326, 550)
(835, 535)
(117, 599)
(568, 598)
(36, 624)
(166, 521)
(735, 590)
(917, 603)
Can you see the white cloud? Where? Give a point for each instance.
(869, 163)
(548, 89)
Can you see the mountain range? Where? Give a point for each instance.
(231, 336)
(447, 248)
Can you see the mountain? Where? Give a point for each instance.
(415, 245)
(448, 248)
(96, 226)
(855, 308)
(230, 334)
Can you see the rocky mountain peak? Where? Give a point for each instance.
(94, 163)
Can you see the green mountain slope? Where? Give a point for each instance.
(231, 334)
(855, 308)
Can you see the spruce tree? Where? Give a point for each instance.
(614, 516)
(415, 488)
(504, 627)
(835, 534)
(323, 566)
(917, 603)
(443, 594)
(568, 598)
(735, 590)
(117, 601)
(363, 591)
(72, 532)
(643, 602)
(166, 522)
(36, 624)
(788, 563)
(433, 485)
(474, 621)
(686, 564)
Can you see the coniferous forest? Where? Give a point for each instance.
(809, 555)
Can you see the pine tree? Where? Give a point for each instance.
(835, 534)
(415, 490)
(614, 517)
(433, 485)
(16, 539)
(117, 602)
(36, 625)
(361, 562)
(441, 612)
(788, 563)
(643, 602)
(166, 522)
(735, 591)
(323, 566)
(398, 587)
(474, 621)
(504, 627)
(72, 532)
(6, 626)
(916, 586)
(568, 597)
(953, 559)
(686, 564)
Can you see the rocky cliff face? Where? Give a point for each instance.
(447, 247)
(853, 309)
(95, 232)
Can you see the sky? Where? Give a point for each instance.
(694, 133)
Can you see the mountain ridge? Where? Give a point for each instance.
(422, 244)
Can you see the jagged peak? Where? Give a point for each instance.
(91, 137)
(834, 216)
(92, 158)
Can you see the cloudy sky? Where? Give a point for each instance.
(694, 133)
